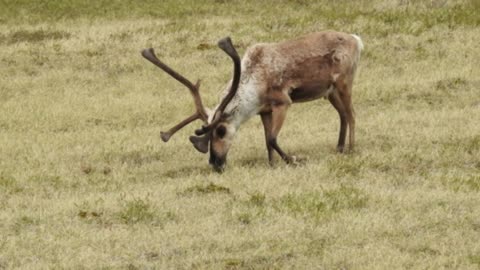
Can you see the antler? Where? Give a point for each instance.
(149, 54)
(226, 45)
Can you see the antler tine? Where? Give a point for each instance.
(166, 135)
(200, 113)
(149, 54)
(226, 45)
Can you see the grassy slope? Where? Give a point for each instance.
(85, 181)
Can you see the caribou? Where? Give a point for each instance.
(266, 81)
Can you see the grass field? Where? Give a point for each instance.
(86, 182)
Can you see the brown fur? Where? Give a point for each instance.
(316, 65)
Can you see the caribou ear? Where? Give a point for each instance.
(200, 143)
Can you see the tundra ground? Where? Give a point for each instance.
(86, 183)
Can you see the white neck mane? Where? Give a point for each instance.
(244, 104)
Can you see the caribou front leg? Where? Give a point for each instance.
(273, 122)
(267, 126)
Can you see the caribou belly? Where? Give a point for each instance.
(311, 91)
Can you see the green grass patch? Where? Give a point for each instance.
(257, 199)
(24, 223)
(474, 259)
(258, 262)
(33, 36)
(319, 205)
(137, 211)
(468, 183)
(206, 189)
(10, 184)
(342, 166)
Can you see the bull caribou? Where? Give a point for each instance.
(266, 81)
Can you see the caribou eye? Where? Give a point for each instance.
(221, 131)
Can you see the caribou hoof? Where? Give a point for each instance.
(296, 160)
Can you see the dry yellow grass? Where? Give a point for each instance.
(86, 183)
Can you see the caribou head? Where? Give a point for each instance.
(216, 134)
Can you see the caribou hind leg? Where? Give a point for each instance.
(337, 103)
(344, 90)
